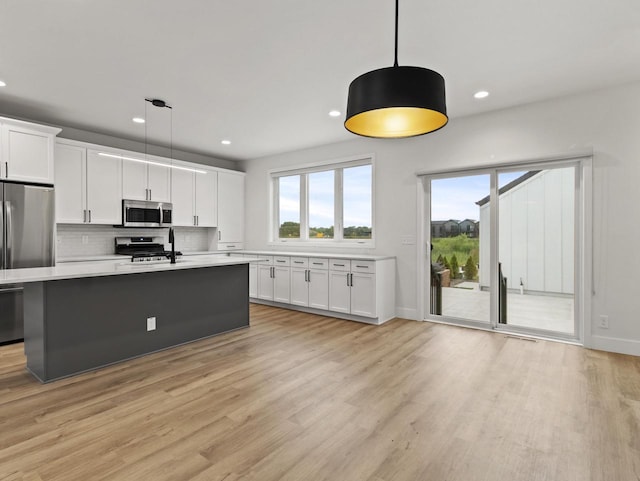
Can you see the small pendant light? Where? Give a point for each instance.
(396, 102)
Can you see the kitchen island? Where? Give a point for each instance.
(82, 316)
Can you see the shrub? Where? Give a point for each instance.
(470, 269)
(455, 267)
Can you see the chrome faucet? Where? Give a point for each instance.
(172, 240)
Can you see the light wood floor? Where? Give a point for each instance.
(302, 397)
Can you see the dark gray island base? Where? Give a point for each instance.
(76, 325)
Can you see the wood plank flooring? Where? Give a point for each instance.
(304, 397)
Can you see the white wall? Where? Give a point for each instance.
(607, 121)
(536, 236)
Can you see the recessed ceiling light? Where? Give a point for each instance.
(481, 95)
(334, 113)
(138, 120)
(2, 84)
(226, 142)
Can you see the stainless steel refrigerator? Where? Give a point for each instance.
(26, 240)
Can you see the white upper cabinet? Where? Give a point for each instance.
(26, 152)
(104, 189)
(182, 198)
(88, 186)
(206, 198)
(142, 181)
(194, 196)
(231, 207)
(159, 182)
(70, 182)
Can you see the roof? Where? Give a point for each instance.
(510, 186)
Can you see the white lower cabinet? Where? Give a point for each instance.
(274, 279)
(356, 289)
(351, 290)
(253, 280)
(310, 282)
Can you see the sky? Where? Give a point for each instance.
(456, 197)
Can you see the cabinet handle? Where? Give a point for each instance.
(308, 276)
(363, 267)
(338, 265)
(348, 285)
(317, 263)
(351, 279)
(298, 262)
(84, 215)
(278, 260)
(149, 194)
(89, 216)
(219, 235)
(197, 220)
(230, 246)
(6, 169)
(273, 272)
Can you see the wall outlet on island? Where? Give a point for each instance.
(151, 323)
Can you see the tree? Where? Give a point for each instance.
(445, 263)
(455, 267)
(470, 269)
(440, 260)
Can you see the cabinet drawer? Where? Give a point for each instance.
(281, 261)
(318, 263)
(363, 266)
(339, 265)
(264, 260)
(230, 246)
(300, 262)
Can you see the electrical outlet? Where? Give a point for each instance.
(85, 239)
(604, 322)
(151, 323)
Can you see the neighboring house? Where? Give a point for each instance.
(469, 227)
(453, 227)
(536, 235)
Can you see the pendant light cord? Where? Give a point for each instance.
(395, 63)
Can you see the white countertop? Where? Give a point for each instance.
(323, 255)
(74, 270)
(113, 257)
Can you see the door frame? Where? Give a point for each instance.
(583, 263)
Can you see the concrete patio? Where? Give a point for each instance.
(549, 312)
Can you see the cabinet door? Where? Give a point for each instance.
(318, 289)
(230, 207)
(282, 284)
(134, 180)
(159, 183)
(206, 198)
(253, 280)
(265, 283)
(70, 184)
(339, 292)
(299, 287)
(182, 198)
(28, 154)
(104, 189)
(363, 295)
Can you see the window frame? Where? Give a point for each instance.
(338, 228)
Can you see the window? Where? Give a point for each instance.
(327, 204)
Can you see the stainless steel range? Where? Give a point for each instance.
(143, 249)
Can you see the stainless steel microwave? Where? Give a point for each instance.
(144, 213)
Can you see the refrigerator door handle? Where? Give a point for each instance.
(9, 234)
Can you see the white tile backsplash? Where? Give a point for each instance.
(97, 240)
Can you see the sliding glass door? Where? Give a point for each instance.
(459, 281)
(503, 248)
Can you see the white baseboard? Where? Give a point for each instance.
(407, 313)
(614, 344)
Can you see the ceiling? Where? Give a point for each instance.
(265, 74)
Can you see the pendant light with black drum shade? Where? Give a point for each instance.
(396, 102)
